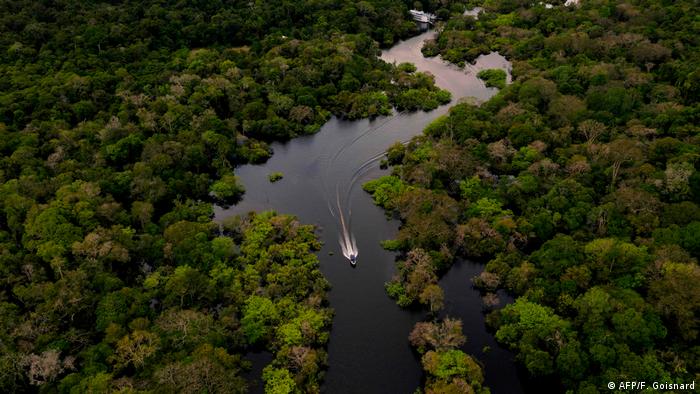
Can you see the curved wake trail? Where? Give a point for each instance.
(346, 238)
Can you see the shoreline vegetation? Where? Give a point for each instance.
(577, 185)
(121, 124)
(493, 78)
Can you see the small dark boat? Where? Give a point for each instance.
(353, 259)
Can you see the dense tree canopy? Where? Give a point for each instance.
(121, 124)
(578, 184)
(117, 310)
(448, 369)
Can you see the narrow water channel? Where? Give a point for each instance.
(368, 349)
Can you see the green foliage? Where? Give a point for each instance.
(473, 189)
(526, 326)
(448, 368)
(120, 125)
(673, 297)
(278, 381)
(385, 190)
(494, 77)
(259, 314)
(413, 99)
(416, 281)
(487, 208)
(577, 183)
(407, 68)
(227, 189)
(452, 367)
(118, 135)
(450, 363)
(612, 260)
(160, 329)
(275, 176)
(117, 307)
(395, 153)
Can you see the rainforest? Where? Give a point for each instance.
(175, 177)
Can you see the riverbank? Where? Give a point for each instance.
(369, 331)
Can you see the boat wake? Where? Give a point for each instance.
(348, 245)
(346, 238)
(342, 209)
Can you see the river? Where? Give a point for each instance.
(368, 348)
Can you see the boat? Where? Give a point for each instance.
(423, 19)
(353, 259)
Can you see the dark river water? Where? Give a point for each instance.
(323, 175)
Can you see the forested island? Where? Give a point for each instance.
(122, 123)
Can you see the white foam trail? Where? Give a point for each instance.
(348, 245)
(346, 238)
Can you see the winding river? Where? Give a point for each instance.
(323, 174)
